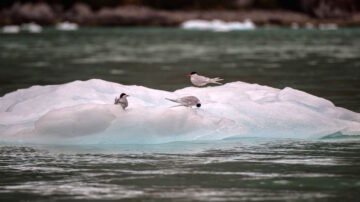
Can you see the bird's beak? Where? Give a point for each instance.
(188, 75)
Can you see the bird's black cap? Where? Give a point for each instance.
(198, 105)
(193, 73)
(122, 95)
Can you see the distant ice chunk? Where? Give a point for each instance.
(218, 25)
(82, 112)
(11, 29)
(295, 25)
(67, 26)
(329, 26)
(309, 25)
(31, 27)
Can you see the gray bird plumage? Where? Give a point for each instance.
(187, 101)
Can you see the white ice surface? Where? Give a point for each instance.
(11, 29)
(31, 27)
(67, 26)
(82, 112)
(218, 25)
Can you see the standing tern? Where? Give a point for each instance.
(122, 100)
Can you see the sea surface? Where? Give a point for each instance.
(323, 63)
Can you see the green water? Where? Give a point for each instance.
(324, 63)
(243, 170)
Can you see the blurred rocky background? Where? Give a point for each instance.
(174, 12)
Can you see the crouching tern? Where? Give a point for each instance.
(198, 80)
(122, 100)
(187, 101)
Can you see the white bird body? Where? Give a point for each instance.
(122, 101)
(187, 101)
(199, 80)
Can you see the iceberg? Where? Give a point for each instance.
(11, 29)
(329, 26)
(28, 27)
(218, 25)
(82, 112)
(31, 27)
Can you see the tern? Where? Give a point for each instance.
(198, 80)
(122, 100)
(187, 101)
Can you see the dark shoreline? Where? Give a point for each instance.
(83, 15)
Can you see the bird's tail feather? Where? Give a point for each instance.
(172, 100)
(216, 80)
(116, 100)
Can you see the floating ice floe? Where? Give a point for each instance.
(218, 25)
(82, 112)
(31, 27)
(330, 26)
(11, 29)
(295, 25)
(326, 26)
(67, 26)
(309, 25)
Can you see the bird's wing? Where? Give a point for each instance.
(177, 106)
(189, 100)
(202, 78)
(217, 79)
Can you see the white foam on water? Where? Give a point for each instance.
(82, 112)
